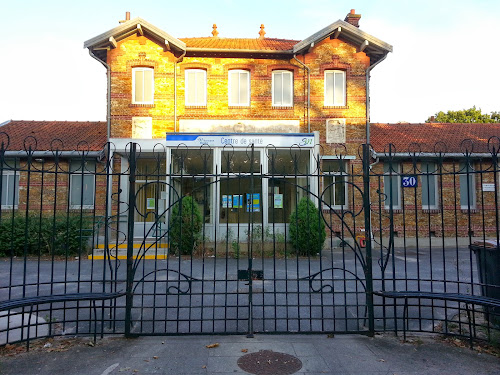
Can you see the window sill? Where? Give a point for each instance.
(335, 107)
(282, 107)
(431, 210)
(394, 210)
(189, 106)
(246, 106)
(471, 211)
(140, 105)
(81, 207)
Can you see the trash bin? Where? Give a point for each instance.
(488, 266)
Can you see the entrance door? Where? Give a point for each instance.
(150, 188)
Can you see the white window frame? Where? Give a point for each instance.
(472, 185)
(396, 173)
(282, 73)
(134, 70)
(332, 174)
(11, 174)
(189, 87)
(430, 176)
(231, 73)
(332, 101)
(78, 172)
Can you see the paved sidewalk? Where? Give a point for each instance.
(343, 354)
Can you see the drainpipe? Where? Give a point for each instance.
(308, 90)
(175, 89)
(368, 71)
(108, 75)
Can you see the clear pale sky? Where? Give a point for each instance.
(446, 52)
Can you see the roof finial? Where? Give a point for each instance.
(215, 32)
(262, 32)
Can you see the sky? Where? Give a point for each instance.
(445, 57)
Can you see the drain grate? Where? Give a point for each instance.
(267, 362)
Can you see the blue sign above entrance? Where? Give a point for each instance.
(241, 139)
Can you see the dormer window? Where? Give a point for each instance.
(143, 86)
(335, 88)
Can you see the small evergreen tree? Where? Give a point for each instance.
(307, 228)
(185, 226)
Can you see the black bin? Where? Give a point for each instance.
(488, 266)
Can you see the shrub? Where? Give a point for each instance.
(185, 226)
(46, 235)
(307, 228)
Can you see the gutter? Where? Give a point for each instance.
(181, 57)
(308, 90)
(367, 76)
(233, 50)
(457, 155)
(108, 75)
(51, 154)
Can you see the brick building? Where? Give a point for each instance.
(195, 105)
(229, 93)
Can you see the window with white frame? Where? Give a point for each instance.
(334, 183)
(82, 184)
(143, 86)
(467, 186)
(392, 186)
(282, 88)
(335, 88)
(196, 87)
(10, 184)
(239, 88)
(429, 186)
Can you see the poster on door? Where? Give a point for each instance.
(238, 201)
(253, 202)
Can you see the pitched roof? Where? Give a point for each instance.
(434, 137)
(373, 47)
(266, 44)
(42, 135)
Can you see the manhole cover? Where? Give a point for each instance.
(267, 362)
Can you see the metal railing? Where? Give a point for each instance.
(238, 241)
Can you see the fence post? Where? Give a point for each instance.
(368, 237)
(130, 237)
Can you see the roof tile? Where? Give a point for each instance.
(452, 138)
(74, 135)
(266, 44)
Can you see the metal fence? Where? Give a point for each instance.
(244, 241)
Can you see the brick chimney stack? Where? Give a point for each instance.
(353, 18)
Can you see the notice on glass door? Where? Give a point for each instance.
(253, 202)
(278, 200)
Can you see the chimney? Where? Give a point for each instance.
(353, 18)
(127, 18)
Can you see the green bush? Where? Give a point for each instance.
(46, 235)
(307, 228)
(185, 226)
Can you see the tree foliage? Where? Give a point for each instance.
(465, 115)
(185, 226)
(307, 228)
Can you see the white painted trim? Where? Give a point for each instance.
(282, 72)
(152, 85)
(395, 174)
(432, 175)
(187, 87)
(230, 75)
(332, 174)
(334, 102)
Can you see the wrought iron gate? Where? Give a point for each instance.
(245, 276)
